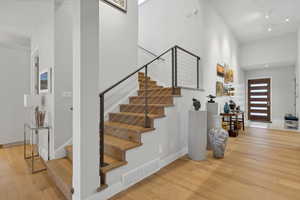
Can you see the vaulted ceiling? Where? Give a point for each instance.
(259, 19)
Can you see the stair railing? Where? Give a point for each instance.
(174, 53)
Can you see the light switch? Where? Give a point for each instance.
(67, 94)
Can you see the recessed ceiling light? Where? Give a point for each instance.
(270, 29)
(287, 19)
(267, 16)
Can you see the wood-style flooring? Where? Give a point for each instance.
(260, 165)
(17, 183)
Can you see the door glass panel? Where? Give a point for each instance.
(258, 108)
(259, 97)
(259, 85)
(258, 102)
(258, 91)
(259, 114)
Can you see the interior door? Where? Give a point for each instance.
(259, 100)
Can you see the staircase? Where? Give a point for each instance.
(121, 136)
(122, 131)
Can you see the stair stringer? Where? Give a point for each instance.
(161, 147)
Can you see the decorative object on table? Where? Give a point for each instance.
(218, 139)
(211, 98)
(238, 108)
(219, 89)
(228, 90)
(232, 105)
(291, 121)
(233, 122)
(119, 4)
(197, 139)
(220, 70)
(229, 76)
(45, 81)
(196, 104)
(226, 108)
(39, 117)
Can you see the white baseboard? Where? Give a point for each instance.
(171, 158)
(12, 144)
(136, 175)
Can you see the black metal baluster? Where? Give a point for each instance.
(175, 67)
(198, 82)
(173, 70)
(146, 97)
(102, 164)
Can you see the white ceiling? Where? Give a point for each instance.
(247, 17)
(18, 19)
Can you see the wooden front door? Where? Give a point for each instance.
(259, 100)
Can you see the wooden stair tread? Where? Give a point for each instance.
(69, 148)
(112, 163)
(63, 168)
(153, 116)
(128, 127)
(155, 96)
(61, 172)
(120, 143)
(153, 105)
(154, 89)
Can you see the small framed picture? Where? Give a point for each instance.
(220, 70)
(45, 81)
(120, 4)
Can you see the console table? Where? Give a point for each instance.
(234, 119)
(35, 132)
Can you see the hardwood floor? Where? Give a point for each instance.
(261, 165)
(17, 183)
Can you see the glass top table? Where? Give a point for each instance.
(34, 140)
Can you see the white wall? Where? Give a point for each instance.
(43, 41)
(197, 27)
(118, 49)
(221, 47)
(282, 89)
(14, 83)
(163, 24)
(298, 75)
(276, 51)
(63, 76)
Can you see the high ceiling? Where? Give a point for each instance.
(18, 19)
(258, 19)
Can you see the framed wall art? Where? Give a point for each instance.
(229, 76)
(220, 70)
(219, 89)
(119, 4)
(45, 81)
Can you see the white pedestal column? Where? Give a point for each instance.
(86, 178)
(212, 119)
(197, 135)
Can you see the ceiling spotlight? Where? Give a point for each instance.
(270, 29)
(287, 19)
(267, 16)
